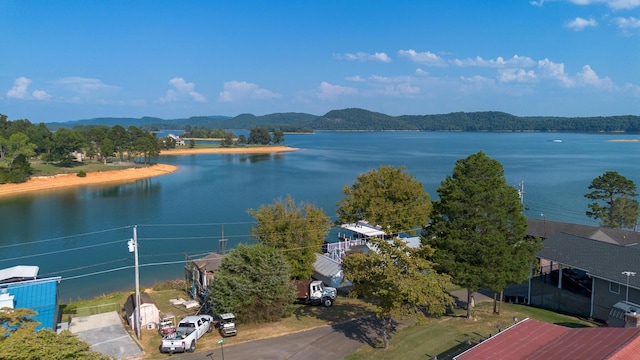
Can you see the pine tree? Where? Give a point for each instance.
(478, 230)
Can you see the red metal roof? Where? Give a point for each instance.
(589, 343)
(532, 339)
(516, 342)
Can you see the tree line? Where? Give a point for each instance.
(22, 141)
(354, 119)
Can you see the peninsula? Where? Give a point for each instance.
(48, 183)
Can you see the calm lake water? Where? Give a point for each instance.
(81, 234)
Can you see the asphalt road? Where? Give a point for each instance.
(323, 343)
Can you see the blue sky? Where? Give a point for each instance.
(68, 60)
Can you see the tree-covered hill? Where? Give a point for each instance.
(354, 119)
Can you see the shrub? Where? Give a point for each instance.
(82, 173)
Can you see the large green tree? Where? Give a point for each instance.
(254, 283)
(389, 197)
(478, 230)
(399, 281)
(299, 230)
(614, 204)
(21, 340)
(18, 144)
(259, 136)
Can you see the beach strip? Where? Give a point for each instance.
(48, 183)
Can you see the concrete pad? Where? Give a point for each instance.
(106, 334)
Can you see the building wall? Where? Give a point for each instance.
(39, 295)
(604, 299)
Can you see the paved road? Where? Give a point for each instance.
(324, 343)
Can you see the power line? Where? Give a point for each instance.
(65, 237)
(60, 251)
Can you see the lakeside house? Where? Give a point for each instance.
(199, 274)
(580, 269)
(20, 287)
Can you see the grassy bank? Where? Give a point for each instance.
(45, 169)
(443, 337)
(448, 336)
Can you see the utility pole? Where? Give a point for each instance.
(222, 243)
(521, 191)
(133, 247)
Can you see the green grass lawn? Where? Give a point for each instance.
(444, 337)
(447, 336)
(46, 169)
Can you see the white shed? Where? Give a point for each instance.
(149, 312)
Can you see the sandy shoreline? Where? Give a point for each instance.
(48, 183)
(239, 150)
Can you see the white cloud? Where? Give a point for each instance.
(356, 78)
(331, 92)
(363, 56)
(241, 90)
(579, 24)
(421, 72)
(613, 4)
(83, 85)
(475, 83)
(549, 69)
(627, 23)
(182, 89)
(521, 61)
(427, 57)
(516, 75)
(393, 86)
(589, 77)
(41, 95)
(20, 88)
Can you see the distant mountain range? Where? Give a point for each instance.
(354, 119)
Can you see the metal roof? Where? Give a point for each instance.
(326, 266)
(532, 339)
(600, 259)
(546, 228)
(210, 262)
(363, 228)
(517, 342)
(18, 273)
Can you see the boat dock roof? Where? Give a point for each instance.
(363, 228)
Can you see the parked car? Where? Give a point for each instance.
(226, 324)
(189, 330)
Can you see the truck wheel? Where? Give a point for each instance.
(327, 302)
(192, 348)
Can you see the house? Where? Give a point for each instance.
(532, 339)
(329, 271)
(586, 275)
(149, 313)
(20, 287)
(545, 228)
(199, 274)
(177, 139)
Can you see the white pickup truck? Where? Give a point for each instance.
(189, 330)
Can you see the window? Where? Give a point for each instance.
(614, 287)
